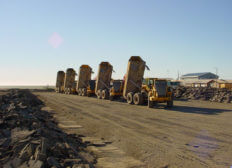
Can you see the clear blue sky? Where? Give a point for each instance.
(170, 35)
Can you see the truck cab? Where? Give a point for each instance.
(159, 92)
(116, 89)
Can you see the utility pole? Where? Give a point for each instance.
(178, 75)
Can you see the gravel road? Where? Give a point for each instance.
(191, 134)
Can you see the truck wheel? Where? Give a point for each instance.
(105, 94)
(111, 98)
(88, 95)
(79, 92)
(138, 98)
(129, 98)
(150, 103)
(170, 103)
(68, 91)
(84, 92)
(99, 94)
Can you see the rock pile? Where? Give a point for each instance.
(210, 94)
(29, 137)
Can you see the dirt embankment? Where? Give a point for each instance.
(29, 136)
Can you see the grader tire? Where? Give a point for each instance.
(138, 99)
(129, 98)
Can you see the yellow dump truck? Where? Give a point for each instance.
(116, 89)
(157, 91)
(84, 76)
(60, 82)
(102, 85)
(69, 81)
(133, 81)
(139, 91)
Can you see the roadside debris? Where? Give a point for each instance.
(209, 94)
(29, 137)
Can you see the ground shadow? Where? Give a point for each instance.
(181, 99)
(198, 110)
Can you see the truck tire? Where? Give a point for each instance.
(84, 92)
(99, 94)
(79, 92)
(129, 98)
(150, 103)
(138, 99)
(170, 103)
(111, 98)
(105, 94)
(68, 91)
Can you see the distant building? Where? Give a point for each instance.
(198, 79)
(199, 76)
(201, 83)
(221, 84)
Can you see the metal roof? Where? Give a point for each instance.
(196, 74)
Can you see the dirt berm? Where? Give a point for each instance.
(209, 94)
(29, 136)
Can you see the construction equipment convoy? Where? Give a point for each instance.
(134, 88)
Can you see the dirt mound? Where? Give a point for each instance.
(210, 94)
(29, 137)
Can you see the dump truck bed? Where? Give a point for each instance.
(60, 79)
(134, 75)
(69, 78)
(84, 76)
(104, 76)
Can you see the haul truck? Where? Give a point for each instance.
(151, 90)
(60, 82)
(102, 86)
(132, 90)
(69, 81)
(84, 78)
